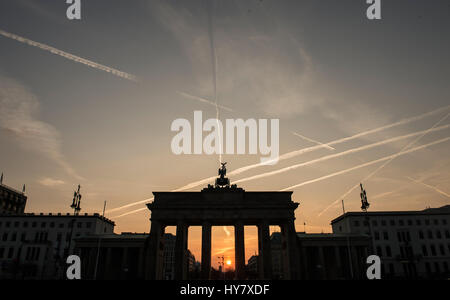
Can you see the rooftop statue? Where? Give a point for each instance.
(222, 181)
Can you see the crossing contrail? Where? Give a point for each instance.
(313, 141)
(430, 187)
(366, 164)
(204, 101)
(69, 56)
(382, 166)
(350, 151)
(293, 154)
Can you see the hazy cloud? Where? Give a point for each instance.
(19, 118)
(50, 182)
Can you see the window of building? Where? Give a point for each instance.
(89, 224)
(418, 222)
(401, 223)
(421, 235)
(61, 225)
(377, 235)
(379, 251)
(388, 251)
(5, 237)
(385, 235)
(447, 234)
(427, 222)
(2, 252)
(392, 222)
(16, 224)
(430, 234)
(43, 224)
(383, 222)
(424, 250)
(436, 222)
(52, 224)
(428, 267)
(410, 222)
(442, 249)
(444, 222)
(13, 237)
(374, 223)
(79, 225)
(34, 224)
(7, 224)
(25, 224)
(23, 237)
(433, 250)
(10, 253)
(436, 267)
(438, 234)
(356, 223)
(445, 266)
(391, 268)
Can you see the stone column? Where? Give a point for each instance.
(239, 250)
(338, 266)
(124, 266)
(291, 251)
(140, 263)
(153, 251)
(206, 250)
(322, 270)
(108, 260)
(264, 257)
(181, 259)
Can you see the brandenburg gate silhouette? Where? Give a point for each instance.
(222, 205)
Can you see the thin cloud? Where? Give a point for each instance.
(18, 118)
(50, 182)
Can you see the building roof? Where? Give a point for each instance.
(12, 189)
(58, 215)
(443, 210)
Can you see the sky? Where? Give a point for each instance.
(96, 109)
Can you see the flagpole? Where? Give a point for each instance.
(98, 246)
(348, 243)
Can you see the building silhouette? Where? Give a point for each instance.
(11, 200)
(411, 244)
(35, 246)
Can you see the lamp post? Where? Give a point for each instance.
(76, 202)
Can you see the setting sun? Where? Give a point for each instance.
(229, 262)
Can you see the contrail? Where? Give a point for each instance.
(313, 141)
(204, 101)
(210, 5)
(350, 151)
(293, 154)
(130, 212)
(430, 187)
(314, 180)
(382, 166)
(69, 56)
(366, 164)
